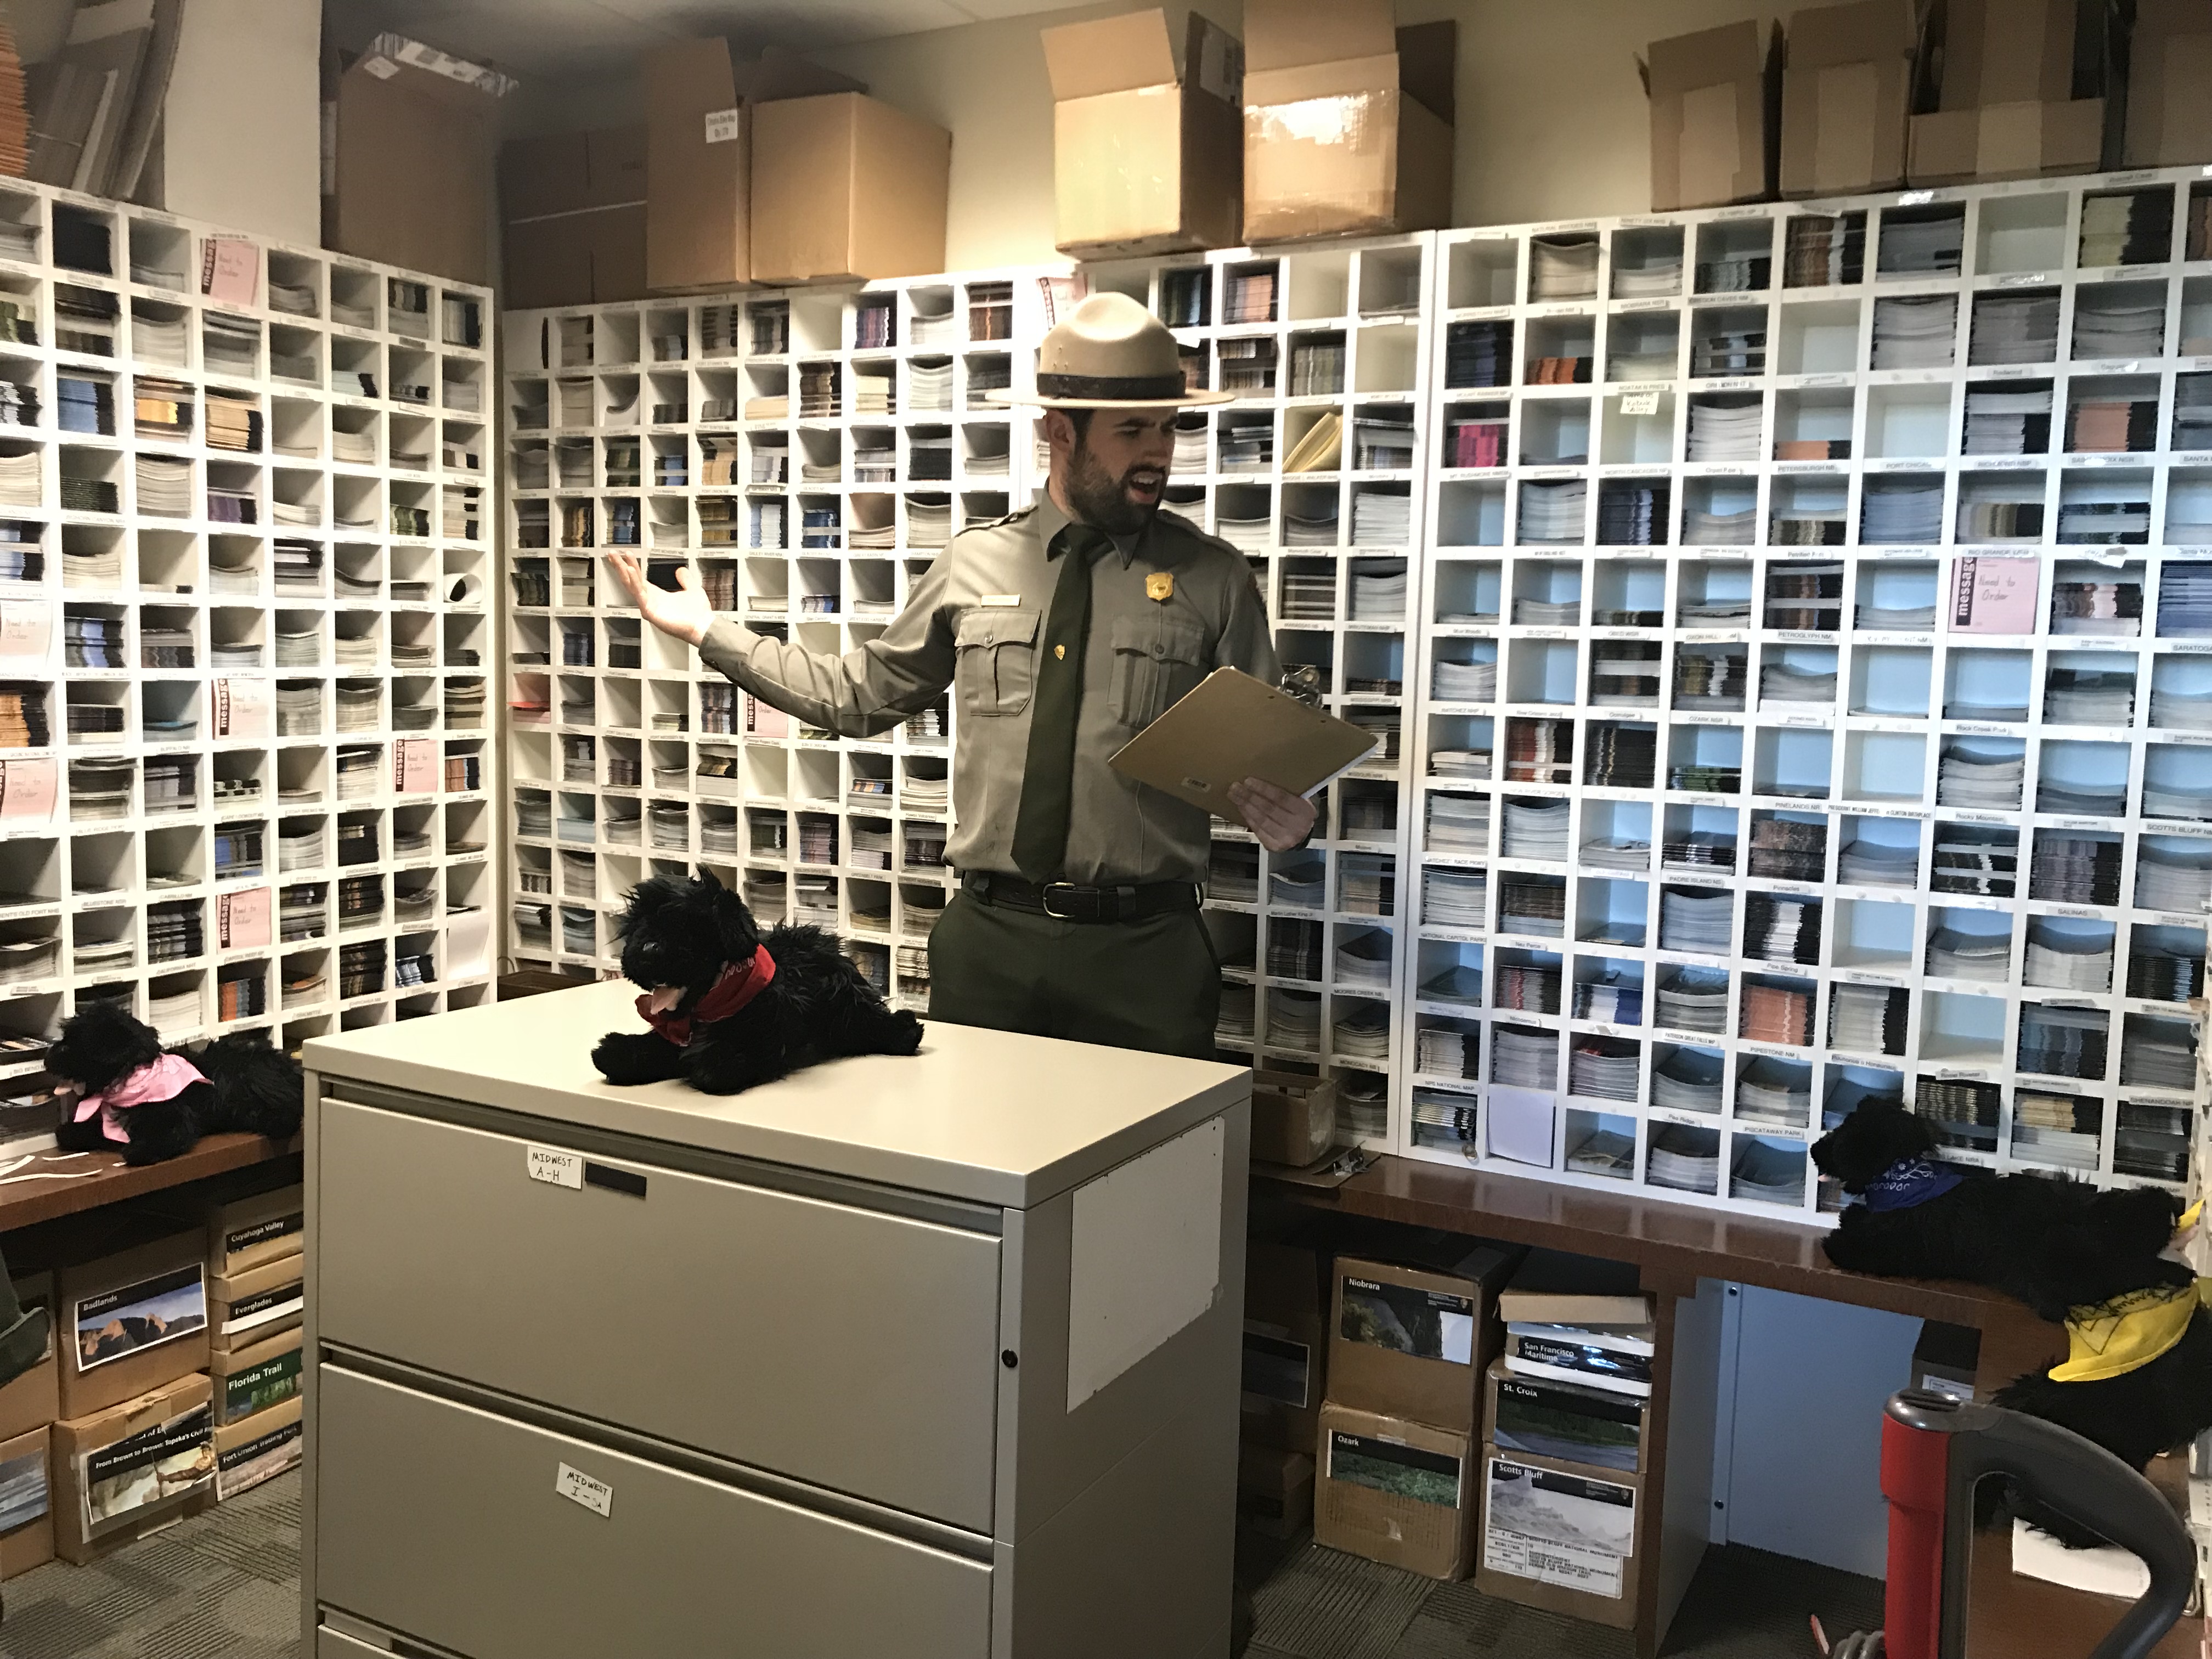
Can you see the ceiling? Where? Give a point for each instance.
(565, 39)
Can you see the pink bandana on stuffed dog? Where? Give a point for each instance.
(737, 984)
(164, 1079)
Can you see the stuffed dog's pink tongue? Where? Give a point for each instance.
(666, 998)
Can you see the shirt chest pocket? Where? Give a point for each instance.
(996, 665)
(1156, 660)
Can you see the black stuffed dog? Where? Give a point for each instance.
(730, 1010)
(2054, 1244)
(150, 1105)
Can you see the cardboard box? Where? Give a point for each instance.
(1412, 1341)
(698, 168)
(1274, 1491)
(407, 172)
(573, 206)
(1293, 1118)
(1285, 1342)
(249, 1231)
(2006, 51)
(1347, 120)
(1560, 1537)
(2169, 121)
(132, 1469)
(1144, 163)
(1537, 1417)
(1846, 89)
(1395, 1490)
(257, 1449)
(131, 1321)
(35, 1398)
(27, 1505)
(845, 188)
(2006, 141)
(244, 1310)
(247, 1381)
(1714, 118)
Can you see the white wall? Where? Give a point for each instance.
(1552, 119)
(242, 140)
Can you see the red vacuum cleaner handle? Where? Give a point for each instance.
(1936, 1450)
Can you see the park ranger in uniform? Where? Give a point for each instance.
(1064, 630)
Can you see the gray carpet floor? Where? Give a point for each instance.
(225, 1585)
(222, 1585)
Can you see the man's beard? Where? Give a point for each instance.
(1101, 501)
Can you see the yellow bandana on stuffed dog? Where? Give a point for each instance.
(2114, 1338)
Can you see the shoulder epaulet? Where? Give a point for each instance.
(1014, 517)
(1198, 534)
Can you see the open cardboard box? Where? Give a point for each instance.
(2169, 121)
(131, 1321)
(1846, 91)
(108, 1493)
(1715, 116)
(1144, 162)
(1347, 120)
(1396, 1491)
(2024, 140)
(408, 178)
(1561, 1536)
(2006, 51)
(1412, 1341)
(35, 1398)
(28, 1539)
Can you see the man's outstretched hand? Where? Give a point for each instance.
(1279, 818)
(687, 613)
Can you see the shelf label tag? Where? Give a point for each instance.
(579, 1488)
(1639, 402)
(555, 1167)
(722, 126)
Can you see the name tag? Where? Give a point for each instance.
(1001, 600)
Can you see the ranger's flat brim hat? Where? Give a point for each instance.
(1110, 354)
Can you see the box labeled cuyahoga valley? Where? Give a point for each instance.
(1395, 1491)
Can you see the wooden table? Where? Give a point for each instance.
(1674, 1246)
(26, 1203)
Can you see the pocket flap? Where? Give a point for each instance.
(993, 626)
(1160, 638)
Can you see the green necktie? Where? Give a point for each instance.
(1048, 769)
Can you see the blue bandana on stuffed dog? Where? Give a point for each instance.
(1908, 1182)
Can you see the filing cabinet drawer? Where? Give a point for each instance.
(842, 1346)
(466, 1529)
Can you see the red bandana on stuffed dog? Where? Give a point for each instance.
(737, 984)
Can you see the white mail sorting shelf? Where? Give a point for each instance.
(934, 1356)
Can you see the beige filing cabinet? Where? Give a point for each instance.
(899, 1358)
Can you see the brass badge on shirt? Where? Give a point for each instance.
(1159, 586)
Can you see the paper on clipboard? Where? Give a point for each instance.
(1234, 727)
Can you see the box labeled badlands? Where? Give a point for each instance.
(1411, 1341)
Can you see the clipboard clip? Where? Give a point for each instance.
(1303, 681)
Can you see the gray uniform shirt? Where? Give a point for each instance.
(974, 621)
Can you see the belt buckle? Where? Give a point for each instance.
(1044, 897)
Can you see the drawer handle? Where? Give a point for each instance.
(614, 1180)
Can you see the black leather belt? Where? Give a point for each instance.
(1068, 902)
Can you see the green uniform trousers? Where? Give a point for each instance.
(1152, 984)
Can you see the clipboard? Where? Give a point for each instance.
(1232, 727)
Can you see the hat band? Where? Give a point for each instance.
(1110, 388)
